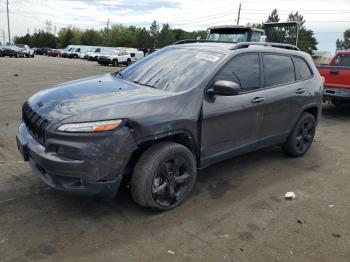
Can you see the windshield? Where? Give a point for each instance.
(228, 35)
(172, 69)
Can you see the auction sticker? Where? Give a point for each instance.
(207, 57)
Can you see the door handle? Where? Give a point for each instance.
(300, 91)
(257, 100)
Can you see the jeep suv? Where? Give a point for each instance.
(180, 109)
(115, 57)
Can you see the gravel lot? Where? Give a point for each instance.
(236, 213)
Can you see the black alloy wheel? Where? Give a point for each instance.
(171, 182)
(302, 136)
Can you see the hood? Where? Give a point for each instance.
(86, 96)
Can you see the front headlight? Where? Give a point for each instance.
(98, 126)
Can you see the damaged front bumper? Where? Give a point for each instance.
(84, 164)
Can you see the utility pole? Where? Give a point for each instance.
(239, 13)
(107, 31)
(8, 20)
(3, 36)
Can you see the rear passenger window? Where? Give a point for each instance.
(302, 70)
(279, 69)
(243, 70)
(342, 60)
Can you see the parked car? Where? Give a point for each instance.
(54, 53)
(115, 57)
(159, 120)
(136, 55)
(42, 50)
(65, 52)
(77, 51)
(91, 52)
(1, 47)
(337, 78)
(25, 51)
(11, 51)
(93, 55)
(84, 55)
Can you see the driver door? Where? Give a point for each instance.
(231, 124)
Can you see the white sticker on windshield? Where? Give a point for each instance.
(211, 58)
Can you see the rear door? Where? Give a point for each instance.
(285, 96)
(231, 123)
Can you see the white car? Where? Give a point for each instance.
(136, 55)
(115, 57)
(25, 50)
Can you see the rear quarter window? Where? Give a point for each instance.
(302, 70)
(278, 69)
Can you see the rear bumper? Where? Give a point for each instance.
(93, 174)
(336, 93)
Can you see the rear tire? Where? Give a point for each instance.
(164, 176)
(301, 137)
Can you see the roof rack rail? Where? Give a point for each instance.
(267, 44)
(190, 41)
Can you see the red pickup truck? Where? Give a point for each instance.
(337, 78)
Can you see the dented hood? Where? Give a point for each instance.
(89, 95)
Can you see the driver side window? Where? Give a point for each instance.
(243, 70)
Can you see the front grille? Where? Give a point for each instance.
(35, 123)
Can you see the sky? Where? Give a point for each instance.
(328, 19)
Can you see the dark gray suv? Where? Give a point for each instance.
(180, 109)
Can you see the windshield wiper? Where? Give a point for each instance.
(136, 82)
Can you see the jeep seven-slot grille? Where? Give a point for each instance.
(35, 123)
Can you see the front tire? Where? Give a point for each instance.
(115, 62)
(301, 137)
(128, 62)
(164, 176)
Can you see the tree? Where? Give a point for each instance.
(307, 41)
(275, 34)
(154, 32)
(273, 17)
(91, 37)
(166, 36)
(69, 36)
(38, 39)
(143, 39)
(344, 44)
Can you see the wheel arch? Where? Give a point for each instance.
(313, 110)
(182, 137)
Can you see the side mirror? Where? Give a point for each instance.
(225, 88)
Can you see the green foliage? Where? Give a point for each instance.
(116, 35)
(344, 44)
(69, 36)
(91, 37)
(38, 39)
(154, 32)
(306, 40)
(275, 34)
